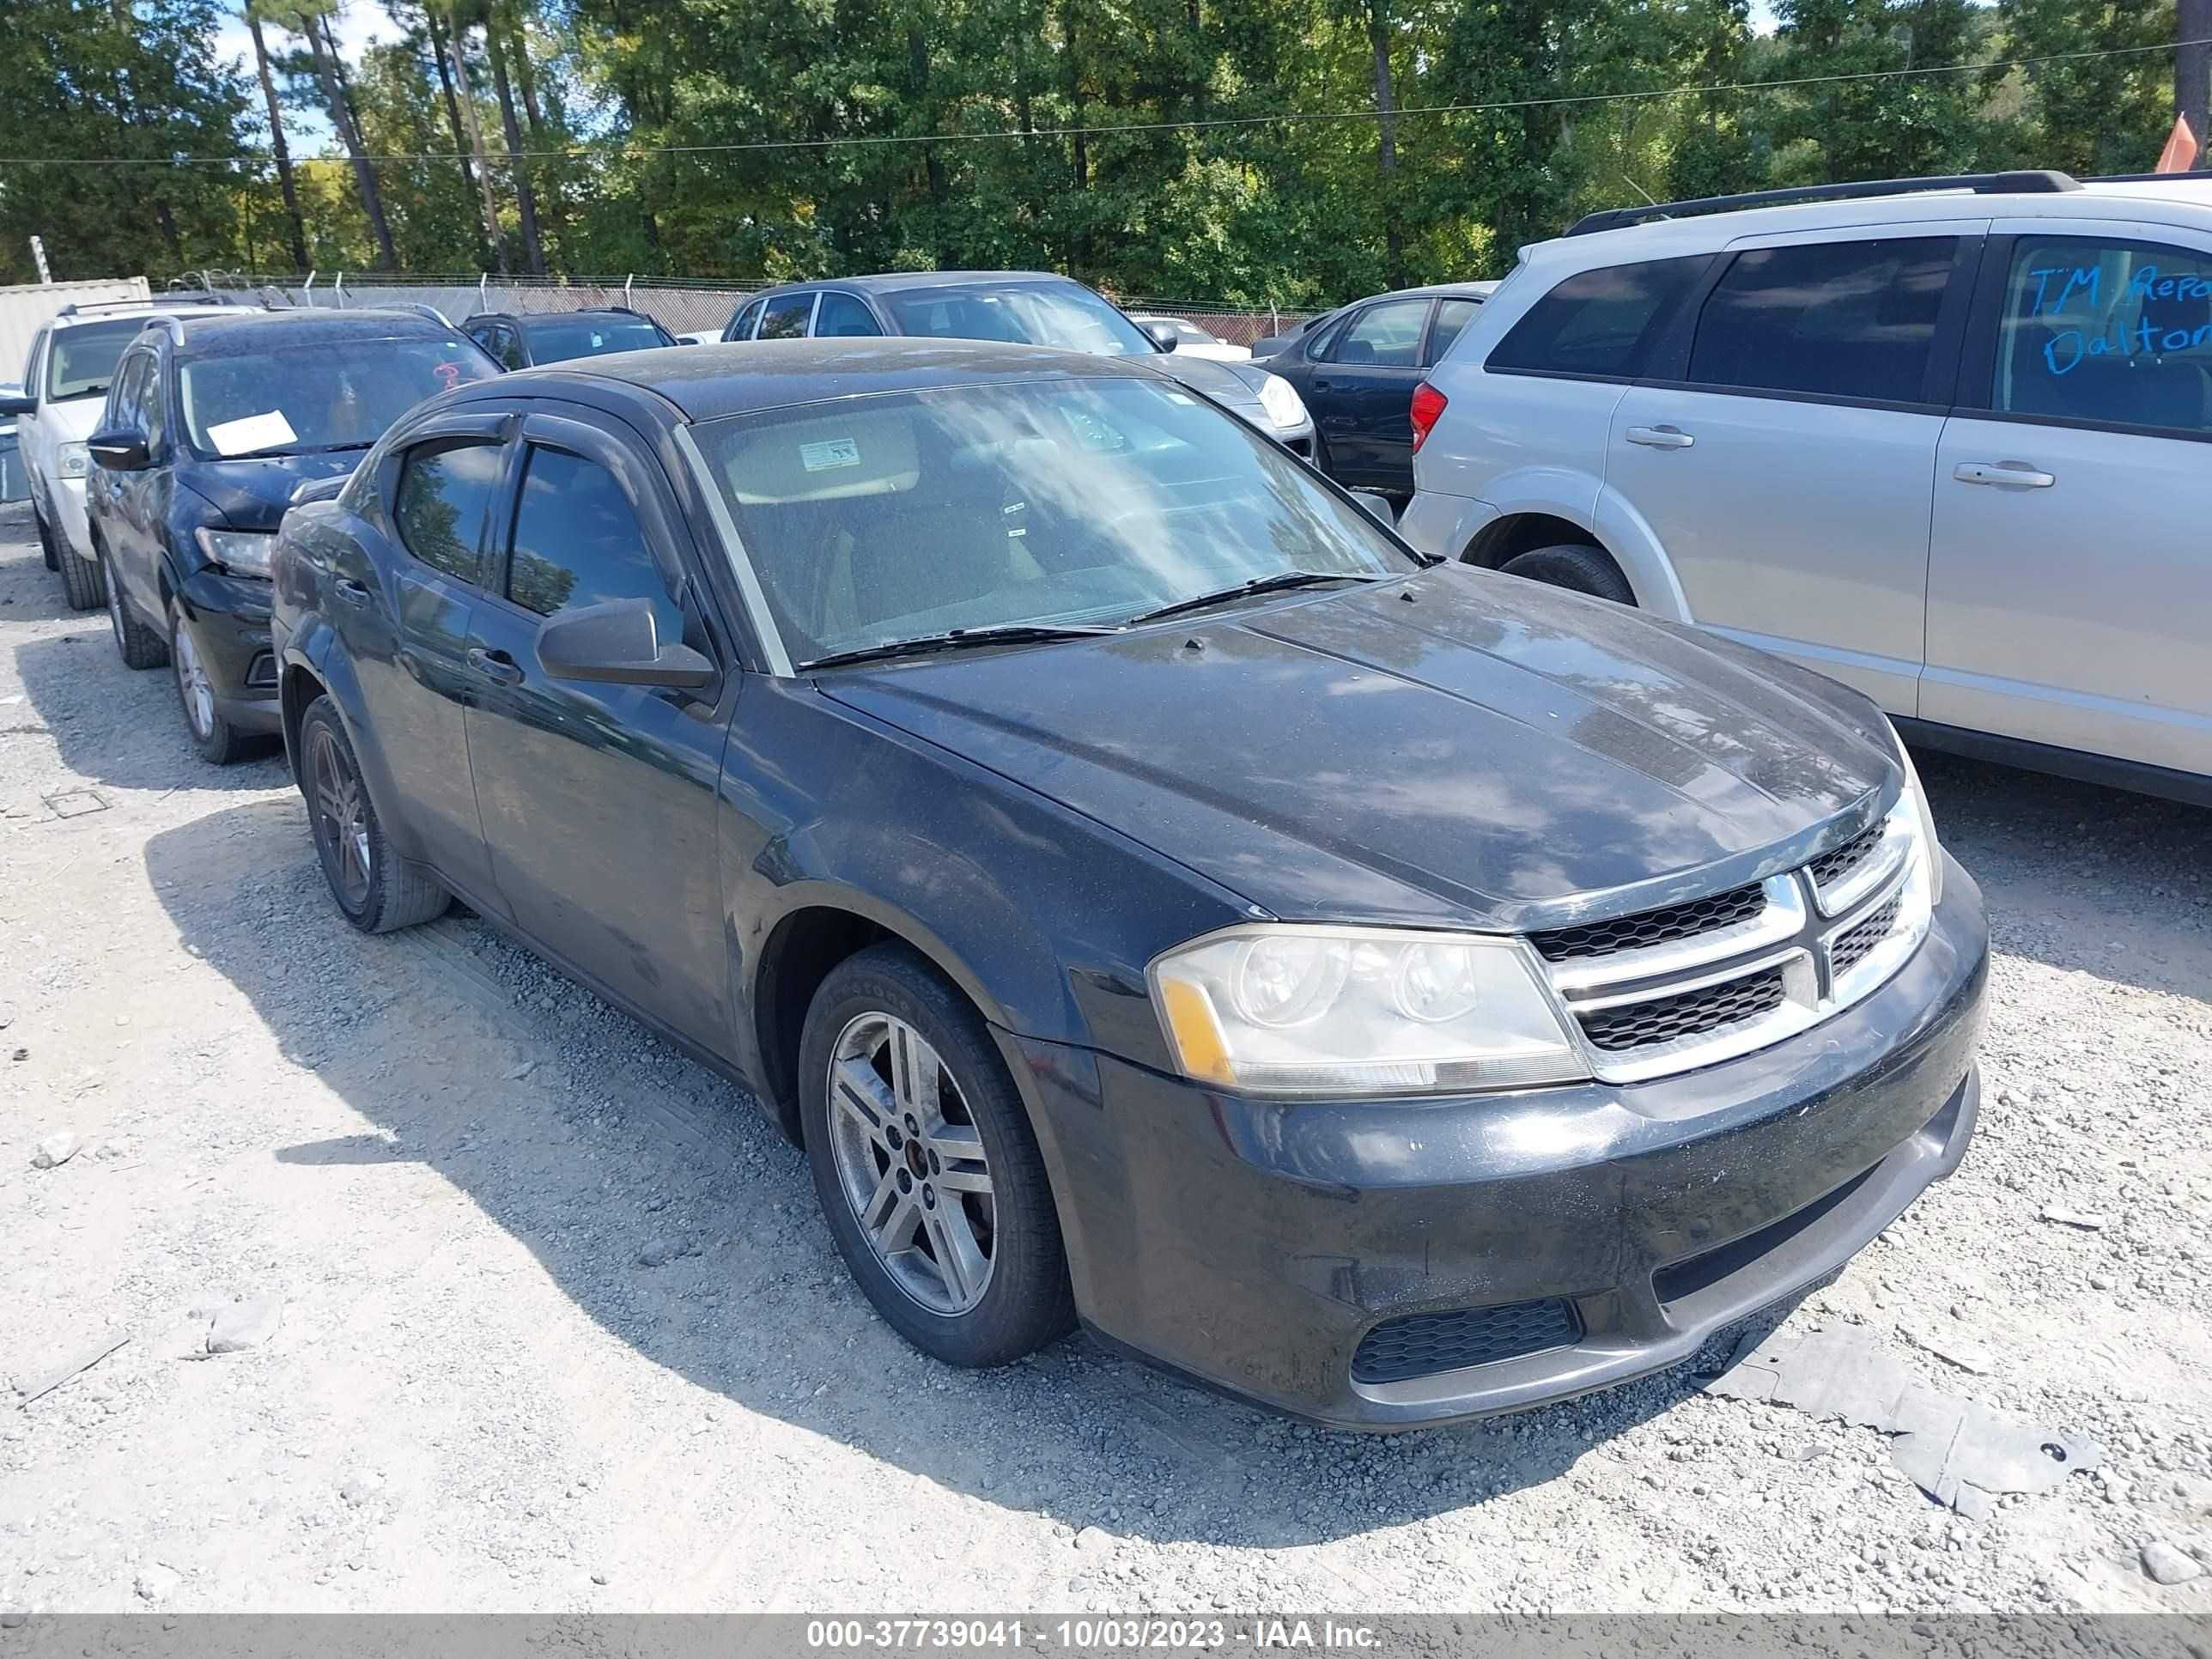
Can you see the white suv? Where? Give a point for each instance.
(64, 389)
(1948, 441)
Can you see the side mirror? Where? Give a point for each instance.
(319, 489)
(1378, 507)
(617, 643)
(1162, 335)
(15, 403)
(118, 451)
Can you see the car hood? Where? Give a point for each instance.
(252, 495)
(1457, 748)
(1218, 380)
(74, 421)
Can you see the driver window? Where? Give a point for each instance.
(578, 542)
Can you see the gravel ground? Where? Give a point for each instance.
(442, 1162)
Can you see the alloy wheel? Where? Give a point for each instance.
(341, 819)
(911, 1163)
(193, 684)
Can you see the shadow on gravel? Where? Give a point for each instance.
(116, 727)
(2080, 878)
(757, 1308)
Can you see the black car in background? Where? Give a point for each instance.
(212, 423)
(1356, 369)
(1149, 892)
(521, 339)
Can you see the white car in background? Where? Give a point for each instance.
(64, 389)
(1191, 340)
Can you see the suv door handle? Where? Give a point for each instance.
(496, 665)
(1660, 437)
(351, 592)
(2016, 475)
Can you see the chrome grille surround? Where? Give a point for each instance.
(1797, 934)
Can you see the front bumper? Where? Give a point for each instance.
(229, 619)
(1253, 1245)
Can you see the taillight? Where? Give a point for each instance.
(1428, 404)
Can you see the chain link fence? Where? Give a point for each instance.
(680, 306)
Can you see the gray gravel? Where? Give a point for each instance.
(560, 1327)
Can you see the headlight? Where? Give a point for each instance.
(1280, 400)
(1929, 849)
(72, 460)
(1288, 1009)
(241, 552)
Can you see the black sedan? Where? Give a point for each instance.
(212, 423)
(523, 339)
(1150, 893)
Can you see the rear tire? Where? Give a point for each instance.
(375, 890)
(80, 579)
(139, 646)
(47, 548)
(922, 1154)
(1577, 567)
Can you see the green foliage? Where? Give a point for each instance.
(724, 138)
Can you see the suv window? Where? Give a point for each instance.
(1842, 319)
(741, 326)
(1598, 323)
(2106, 330)
(1452, 316)
(80, 359)
(577, 541)
(445, 492)
(35, 362)
(1388, 336)
(786, 317)
(125, 398)
(154, 405)
(843, 315)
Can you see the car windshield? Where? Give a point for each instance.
(1065, 315)
(903, 516)
(318, 395)
(83, 358)
(561, 338)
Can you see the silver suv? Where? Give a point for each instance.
(1944, 439)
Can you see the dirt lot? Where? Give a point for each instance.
(446, 1162)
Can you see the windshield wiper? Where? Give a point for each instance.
(953, 639)
(268, 450)
(1280, 580)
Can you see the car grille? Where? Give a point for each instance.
(1605, 938)
(1700, 981)
(1422, 1345)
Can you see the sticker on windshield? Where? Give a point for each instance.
(268, 431)
(830, 452)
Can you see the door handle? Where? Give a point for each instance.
(2012, 475)
(494, 665)
(1659, 437)
(350, 591)
(1321, 386)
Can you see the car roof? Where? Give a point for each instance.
(901, 282)
(213, 334)
(707, 382)
(556, 316)
(142, 311)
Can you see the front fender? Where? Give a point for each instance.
(316, 646)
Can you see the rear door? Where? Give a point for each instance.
(2069, 592)
(1360, 390)
(599, 801)
(1782, 446)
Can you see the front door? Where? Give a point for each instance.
(2070, 579)
(599, 801)
(1782, 454)
(1360, 390)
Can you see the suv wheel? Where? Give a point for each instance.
(219, 742)
(1575, 567)
(47, 548)
(923, 1159)
(376, 892)
(139, 646)
(81, 578)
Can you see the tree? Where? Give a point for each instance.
(2193, 65)
(295, 225)
(526, 199)
(2085, 115)
(309, 18)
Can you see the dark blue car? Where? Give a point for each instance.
(212, 424)
(1151, 894)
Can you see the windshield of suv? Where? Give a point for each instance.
(900, 516)
(1062, 314)
(319, 395)
(562, 338)
(82, 360)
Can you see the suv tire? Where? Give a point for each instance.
(1577, 567)
(888, 994)
(219, 742)
(47, 548)
(82, 580)
(376, 890)
(139, 646)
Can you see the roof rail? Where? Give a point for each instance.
(2041, 182)
(2192, 178)
(78, 308)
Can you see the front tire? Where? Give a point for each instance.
(47, 548)
(139, 646)
(219, 742)
(925, 1164)
(82, 580)
(1577, 567)
(375, 890)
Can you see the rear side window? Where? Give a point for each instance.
(1452, 316)
(2106, 330)
(1842, 319)
(843, 316)
(785, 319)
(577, 541)
(1598, 323)
(1388, 336)
(445, 492)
